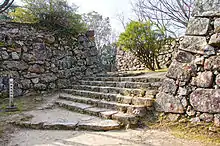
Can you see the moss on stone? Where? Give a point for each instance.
(2, 44)
(204, 132)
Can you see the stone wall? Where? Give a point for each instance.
(126, 61)
(191, 87)
(42, 60)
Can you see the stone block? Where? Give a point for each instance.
(4, 55)
(206, 8)
(169, 86)
(15, 65)
(204, 79)
(197, 26)
(36, 69)
(26, 84)
(217, 25)
(208, 50)
(181, 71)
(184, 57)
(194, 44)
(199, 60)
(217, 80)
(206, 117)
(212, 63)
(215, 40)
(168, 103)
(15, 56)
(206, 100)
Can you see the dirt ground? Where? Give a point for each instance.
(13, 136)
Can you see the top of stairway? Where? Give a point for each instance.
(144, 77)
(133, 74)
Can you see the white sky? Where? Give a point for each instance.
(107, 8)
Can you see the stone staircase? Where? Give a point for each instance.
(115, 97)
(104, 102)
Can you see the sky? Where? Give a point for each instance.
(107, 8)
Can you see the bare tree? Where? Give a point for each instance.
(173, 15)
(5, 5)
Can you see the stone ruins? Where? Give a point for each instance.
(39, 60)
(191, 86)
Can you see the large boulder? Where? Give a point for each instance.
(206, 100)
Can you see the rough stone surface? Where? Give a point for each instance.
(206, 100)
(64, 119)
(216, 25)
(209, 50)
(204, 79)
(215, 40)
(206, 8)
(169, 86)
(197, 26)
(194, 44)
(218, 80)
(127, 61)
(40, 60)
(168, 103)
(212, 63)
(196, 66)
(184, 57)
(217, 120)
(206, 117)
(181, 71)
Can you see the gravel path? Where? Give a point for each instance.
(111, 138)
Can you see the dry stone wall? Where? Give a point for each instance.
(126, 61)
(41, 60)
(192, 83)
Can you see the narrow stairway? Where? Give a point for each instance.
(105, 102)
(124, 99)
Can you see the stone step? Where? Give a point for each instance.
(114, 90)
(120, 74)
(62, 119)
(128, 79)
(123, 118)
(149, 85)
(142, 107)
(146, 101)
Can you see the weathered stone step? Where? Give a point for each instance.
(121, 79)
(61, 119)
(119, 74)
(124, 118)
(147, 100)
(149, 85)
(142, 107)
(114, 90)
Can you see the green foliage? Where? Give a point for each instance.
(2, 44)
(22, 15)
(57, 15)
(145, 40)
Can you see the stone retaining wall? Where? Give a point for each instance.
(126, 61)
(41, 60)
(191, 87)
